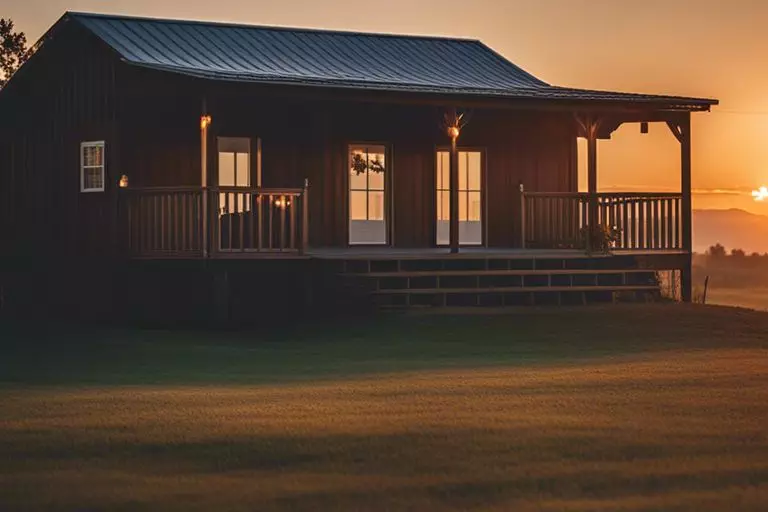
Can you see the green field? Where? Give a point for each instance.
(753, 298)
(637, 407)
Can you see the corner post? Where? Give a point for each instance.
(305, 217)
(686, 275)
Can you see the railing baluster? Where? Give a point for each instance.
(271, 206)
(294, 204)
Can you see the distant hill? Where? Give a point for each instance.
(734, 228)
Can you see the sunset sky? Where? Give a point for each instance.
(707, 48)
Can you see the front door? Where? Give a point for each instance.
(470, 197)
(368, 184)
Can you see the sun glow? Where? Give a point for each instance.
(760, 194)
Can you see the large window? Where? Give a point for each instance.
(470, 197)
(367, 194)
(234, 171)
(92, 166)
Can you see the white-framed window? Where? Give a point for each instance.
(234, 171)
(92, 166)
(367, 194)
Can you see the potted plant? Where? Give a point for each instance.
(600, 238)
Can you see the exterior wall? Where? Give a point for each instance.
(50, 230)
(309, 139)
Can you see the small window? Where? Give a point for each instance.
(92, 166)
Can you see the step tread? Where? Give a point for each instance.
(520, 289)
(461, 273)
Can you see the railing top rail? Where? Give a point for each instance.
(617, 195)
(248, 190)
(160, 189)
(260, 190)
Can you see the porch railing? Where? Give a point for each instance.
(643, 221)
(218, 221)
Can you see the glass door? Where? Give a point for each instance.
(367, 194)
(470, 197)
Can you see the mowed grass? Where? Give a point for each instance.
(657, 407)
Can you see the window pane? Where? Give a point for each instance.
(462, 206)
(357, 205)
(443, 170)
(443, 205)
(92, 178)
(93, 156)
(376, 206)
(463, 170)
(375, 178)
(227, 169)
(358, 170)
(474, 169)
(475, 206)
(243, 178)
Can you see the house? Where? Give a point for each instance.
(190, 152)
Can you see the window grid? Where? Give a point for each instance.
(444, 186)
(368, 190)
(92, 159)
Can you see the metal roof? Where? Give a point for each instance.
(335, 59)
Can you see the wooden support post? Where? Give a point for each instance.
(205, 121)
(681, 129)
(305, 217)
(454, 197)
(592, 125)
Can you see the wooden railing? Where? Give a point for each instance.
(642, 221)
(218, 221)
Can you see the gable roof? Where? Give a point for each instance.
(335, 59)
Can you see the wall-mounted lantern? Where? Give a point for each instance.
(123, 181)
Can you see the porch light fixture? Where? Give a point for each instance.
(205, 122)
(123, 181)
(282, 203)
(453, 123)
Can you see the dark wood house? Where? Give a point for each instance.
(193, 164)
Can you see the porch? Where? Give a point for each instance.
(243, 223)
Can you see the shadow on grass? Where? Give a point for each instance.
(381, 344)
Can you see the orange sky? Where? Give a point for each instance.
(710, 48)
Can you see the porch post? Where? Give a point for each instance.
(454, 202)
(686, 277)
(205, 121)
(592, 125)
(681, 129)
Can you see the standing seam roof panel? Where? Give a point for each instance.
(342, 59)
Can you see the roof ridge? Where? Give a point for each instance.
(281, 28)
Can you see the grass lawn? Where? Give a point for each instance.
(638, 407)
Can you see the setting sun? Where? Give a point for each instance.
(760, 194)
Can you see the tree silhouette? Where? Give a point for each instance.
(716, 251)
(738, 253)
(13, 50)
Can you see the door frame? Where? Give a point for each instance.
(389, 231)
(483, 192)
